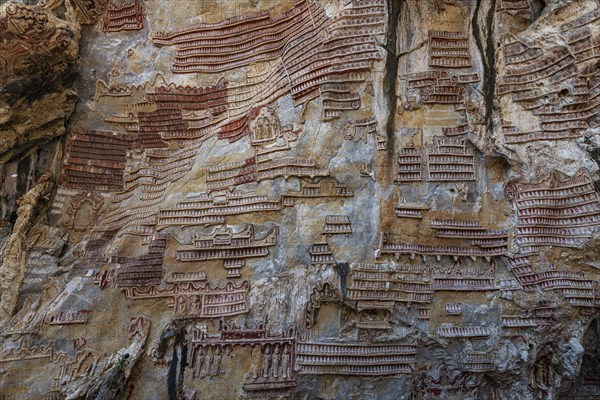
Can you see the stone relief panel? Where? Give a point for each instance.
(282, 199)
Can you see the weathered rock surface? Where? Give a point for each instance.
(312, 199)
(38, 64)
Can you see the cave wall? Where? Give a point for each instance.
(312, 199)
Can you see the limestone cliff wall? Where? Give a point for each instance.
(312, 199)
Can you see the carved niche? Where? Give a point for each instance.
(321, 294)
(84, 211)
(266, 127)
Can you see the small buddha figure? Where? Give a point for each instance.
(266, 362)
(181, 308)
(199, 361)
(207, 361)
(275, 366)
(216, 365)
(285, 362)
(266, 126)
(196, 308)
(258, 132)
(208, 365)
(267, 131)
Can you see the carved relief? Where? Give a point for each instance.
(238, 40)
(24, 352)
(266, 127)
(155, 114)
(231, 247)
(459, 130)
(563, 112)
(229, 176)
(85, 209)
(90, 11)
(273, 368)
(450, 159)
(514, 7)
(354, 359)
(575, 287)
(540, 317)
(321, 255)
(447, 159)
(556, 211)
(318, 55)
(463, 331)
(449, 49)
(443, 384)
(236, 153)
(479, 362)
(68, 317)
(211, 209)
(379, 286)
(423, 313)
(178, 277)
(79, 343)
(95, 161)
(146, 269)
(316, 188)
(85, 364)
(453, 308)
(138, 327)
(410, 210)
(542, 376)
(374, 320)
(410, 162)
(388, 245)
(320, 294)
(361, 130)
(337, 224)
(28, 33)
(191, 300)
(104, 278)
(123, 15)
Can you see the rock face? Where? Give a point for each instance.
(312, 199)
(38, 62)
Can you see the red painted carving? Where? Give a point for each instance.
(123, 15)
